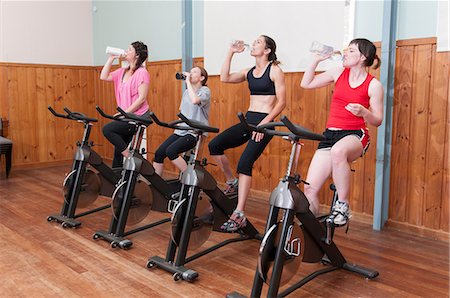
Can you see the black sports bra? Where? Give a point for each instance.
(262, 85)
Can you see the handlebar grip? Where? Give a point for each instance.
(247, 125)
(56, 114)
(155, 119)
(164, 124)
(300, 131)
(79, 116)
(174, 123)
(197, 124)
(132, 116)
(121, 111)
(104, 114)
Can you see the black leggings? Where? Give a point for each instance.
(120, 135)
(237, 135)
(173, 146)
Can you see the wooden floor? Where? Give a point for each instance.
(41, 259)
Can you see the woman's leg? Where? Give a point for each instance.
(232, 137)
(245, 166)
(180, 145)
(318, 172)
(346, 150)
(119, 134)
(245, 182)
(343, 152)
(251, 153)
(160, 154)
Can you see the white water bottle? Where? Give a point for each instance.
(115, 51)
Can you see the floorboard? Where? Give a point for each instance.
(41, 259)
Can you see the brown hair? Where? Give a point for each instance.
(141, 53)
(204, 73)
(270, 44)
(368, 49)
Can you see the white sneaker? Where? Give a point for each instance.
(232, 186)
(341, 213)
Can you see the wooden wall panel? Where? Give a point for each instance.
(438, 106)
(3, 92)
(445, 204)
(38, 136)
(419, 193)
(400, 133)
(418, 131)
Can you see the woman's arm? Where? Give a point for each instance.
(105, 74)
(310, 80)
(192, 91)
(374, 115)
(225, 75)
(277, 77)
(143, 91)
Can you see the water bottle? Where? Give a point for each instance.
(240, 43)
(115, 51)
(324, 50)
(180, 76)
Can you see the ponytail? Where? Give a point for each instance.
(376, 64)
(270, 44)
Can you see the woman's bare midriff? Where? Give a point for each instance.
(262, 103)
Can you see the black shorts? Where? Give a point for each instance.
(333, 136)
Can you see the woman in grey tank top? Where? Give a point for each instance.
(194, 105)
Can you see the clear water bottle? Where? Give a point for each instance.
(239, 44)
(324, 50)
(115, 51)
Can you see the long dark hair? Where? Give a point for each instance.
(368, 49)
(270, 44)
(141, 53)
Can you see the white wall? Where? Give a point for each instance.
(156, 23)
(415, 19)
(292, 24)
(48, 32)
(443, 26)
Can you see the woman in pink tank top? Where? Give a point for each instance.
(131, 89)
(357, 99)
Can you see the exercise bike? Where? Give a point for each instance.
(140, 189)
(286, 243)
(82, 186)
(201, 208)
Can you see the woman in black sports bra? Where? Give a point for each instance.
(267, 100)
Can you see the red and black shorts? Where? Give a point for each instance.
(333, 136)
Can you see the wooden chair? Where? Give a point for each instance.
(5, 149)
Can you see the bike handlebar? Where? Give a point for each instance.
(134, 117)
(295, 131)
(125, 117)
(192, 124)
(197, 124)
(72, 115)
(173, 124)
(301, 131)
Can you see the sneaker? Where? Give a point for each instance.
(341, 213)
(232, 186)
(236, 222)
